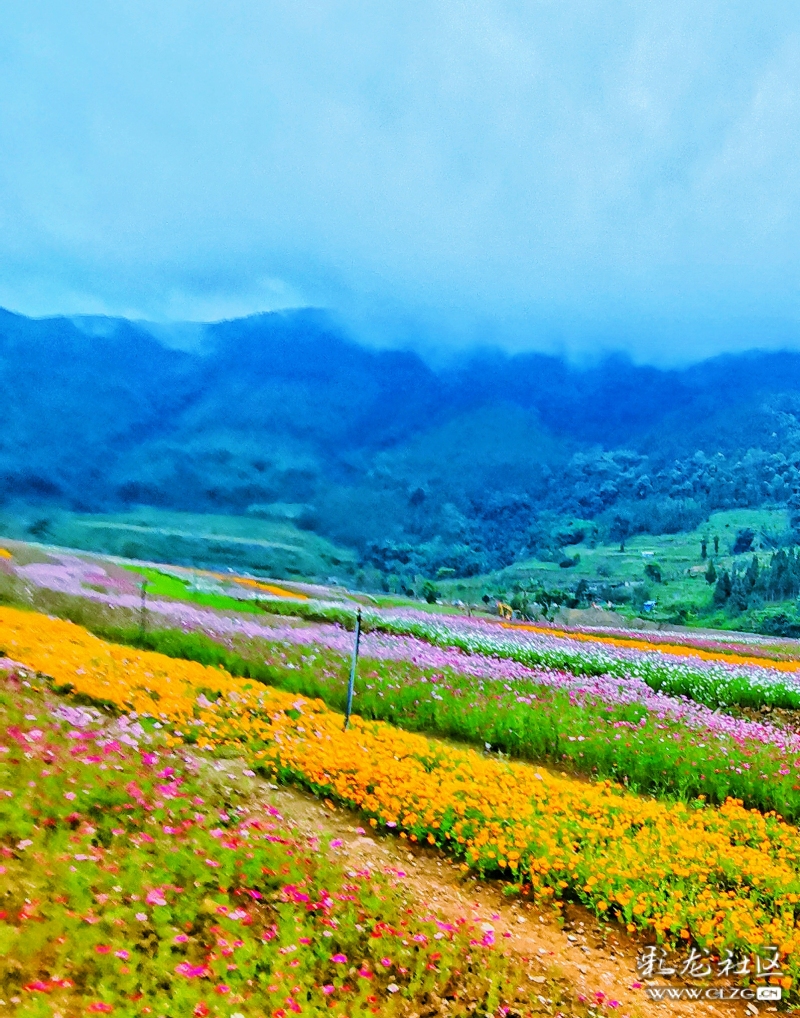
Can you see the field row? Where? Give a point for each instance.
(717, 678)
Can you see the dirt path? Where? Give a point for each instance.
(591, 959)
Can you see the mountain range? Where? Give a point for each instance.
(476, 462)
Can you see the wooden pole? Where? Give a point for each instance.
(353, 665)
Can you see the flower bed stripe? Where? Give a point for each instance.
(726, 877)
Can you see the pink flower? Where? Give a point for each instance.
(102, 949)
(98, 1005)
(181, 938)
(148, 759)
(328, 989)
(191, 971)
(365, 973)
(386, 962)
(122, 954)
(142, 917)
(337, 843)
(69, 795)
(340, 959)
(222, 988)
(155, 897)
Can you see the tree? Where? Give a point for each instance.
(793, 505)
(429, 592)
(711, 572)
(704, 549)
(716, 544)
(738, 599)
(751, 576)
(722, 591)
(620, 529)
(744, 541)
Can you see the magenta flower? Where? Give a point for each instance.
(328, 989)
(122, 954)
(192, 971)
(340, 959)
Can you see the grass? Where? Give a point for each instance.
(161, 584)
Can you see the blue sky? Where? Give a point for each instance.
(552, 174)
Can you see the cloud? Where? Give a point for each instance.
(570, 175)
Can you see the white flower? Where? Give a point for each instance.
(392, 987)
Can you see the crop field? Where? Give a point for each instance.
(646, 786)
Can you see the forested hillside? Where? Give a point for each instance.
(463, 468)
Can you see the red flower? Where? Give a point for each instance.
(99, 1006)
(37, 986)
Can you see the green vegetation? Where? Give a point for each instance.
(161, 584)
(266, 546)
(669, 572)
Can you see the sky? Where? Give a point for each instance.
(548, 174)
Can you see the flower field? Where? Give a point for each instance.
(717, 680)
(132, 883)
(724, 877)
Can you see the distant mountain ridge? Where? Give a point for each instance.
(376, 445)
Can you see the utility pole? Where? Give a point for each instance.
(143, 615)
(353, 665)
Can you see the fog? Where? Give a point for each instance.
(571, 176)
